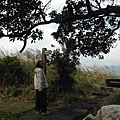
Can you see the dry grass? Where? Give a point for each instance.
(89, 76)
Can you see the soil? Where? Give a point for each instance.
(24, 110)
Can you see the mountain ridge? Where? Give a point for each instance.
(115, 70)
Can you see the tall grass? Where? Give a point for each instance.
(90, 76)
(84, 78)
(27, 62)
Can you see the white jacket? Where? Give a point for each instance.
(40, 81)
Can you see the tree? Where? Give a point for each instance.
(65, 66)
(85, 26)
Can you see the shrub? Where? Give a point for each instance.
(12, 91)
(13, 73)
(64, 66)
(71, 98)
(87, 77)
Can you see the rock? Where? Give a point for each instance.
(109, 112)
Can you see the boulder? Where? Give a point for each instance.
(109, 112)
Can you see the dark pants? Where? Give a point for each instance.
(41, 101)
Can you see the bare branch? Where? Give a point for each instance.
(111, 33)
(25, 43)
(47, 5)
(98, 4)
(88, 6)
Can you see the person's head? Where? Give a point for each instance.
(39, 64)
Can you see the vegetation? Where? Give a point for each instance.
(90, 76)
(17, 88)
(85, 27)
(65, 66)
(16, 77)
(9, 116)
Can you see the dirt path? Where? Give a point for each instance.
(77, 111)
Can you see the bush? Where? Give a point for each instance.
(13, 73)
(87, 77)
(65, 66)
(12, 91)
(71, 98)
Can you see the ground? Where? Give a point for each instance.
(24, 110)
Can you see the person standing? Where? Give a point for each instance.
(40, 84)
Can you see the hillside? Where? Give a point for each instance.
(115, 70)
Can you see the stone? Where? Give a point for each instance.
(109, 112)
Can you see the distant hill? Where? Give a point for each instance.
(115, 70)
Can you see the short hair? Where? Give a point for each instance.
(39, 65)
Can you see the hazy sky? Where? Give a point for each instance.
(113, 58)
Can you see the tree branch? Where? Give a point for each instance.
(98, 4)
(111, 33)
(111, 10)
(25, 43)
(88, 6)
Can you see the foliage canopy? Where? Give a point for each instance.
(86, 27)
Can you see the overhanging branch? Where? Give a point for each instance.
(110, 10)
(111, 33)
(114, 10)
(25, 43)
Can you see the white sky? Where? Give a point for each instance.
(113, 58)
